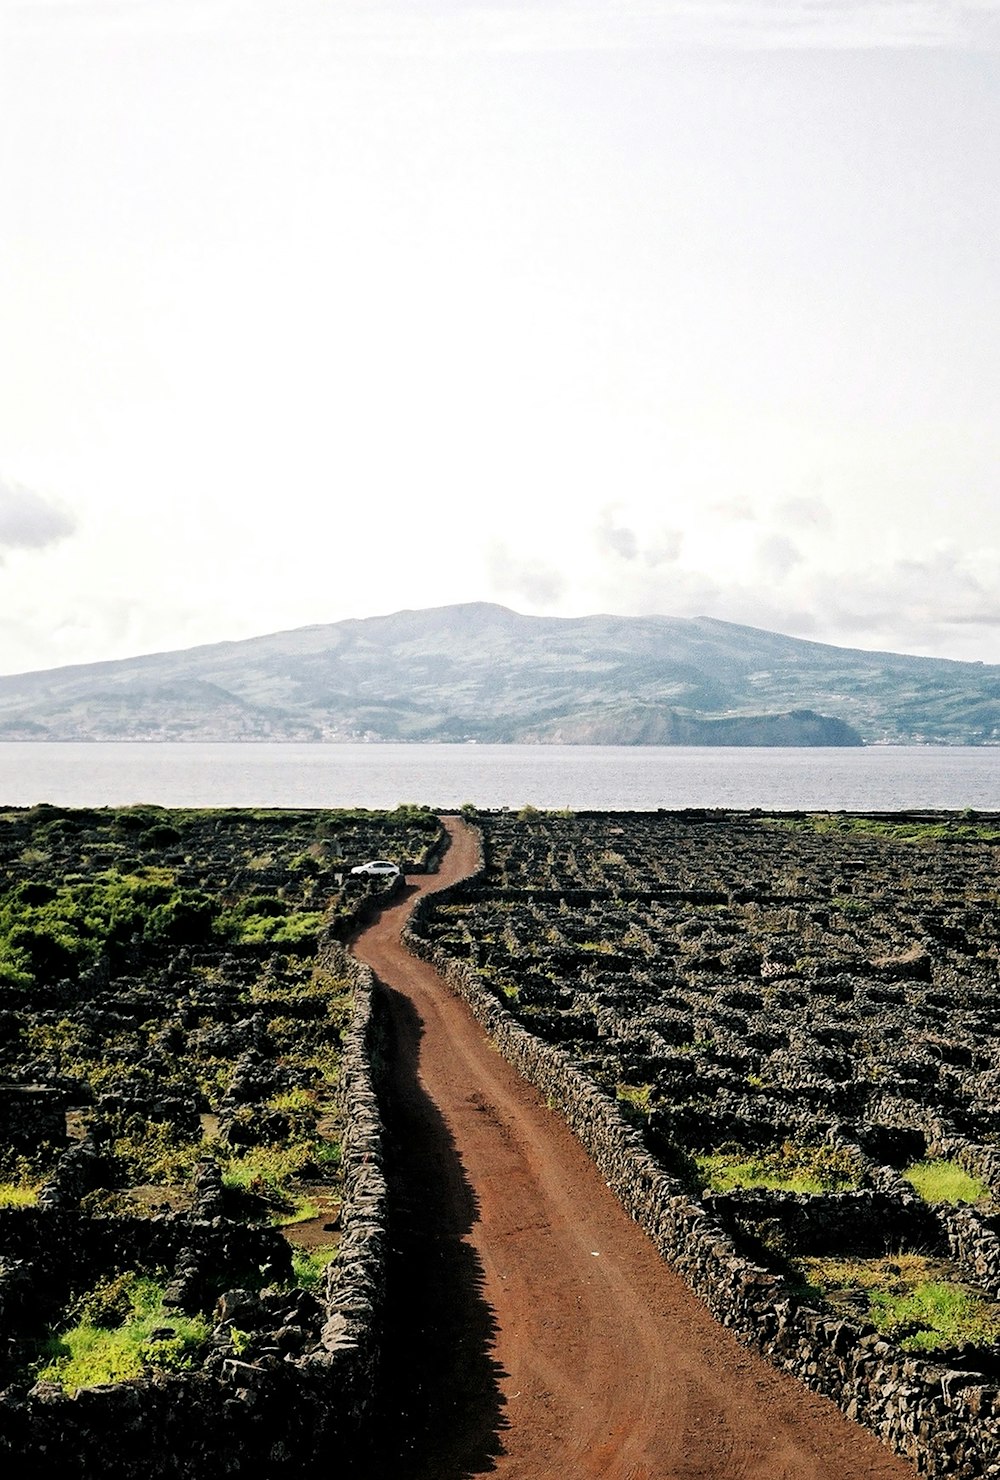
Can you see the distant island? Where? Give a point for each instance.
(480, 672)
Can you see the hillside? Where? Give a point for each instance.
(482, 672)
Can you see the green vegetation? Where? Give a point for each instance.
(120, 1330)
(50, 930)
(239, 1340)
(135, 880)
(962, 828)
(267, 922)
(310, 1265)
(148, 1151)
(788, 1168)
(635, 1094)
(848, 905)
(157, 969)
(22, 1176)
(265, 1176)
(304, 1211)
(944, 1181)
(913, 1300)
(17, 1195)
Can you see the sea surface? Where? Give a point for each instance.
(642, 778)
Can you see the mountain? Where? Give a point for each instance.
(482, 672)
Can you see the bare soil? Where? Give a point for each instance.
(535, 1331)
(321, 1232)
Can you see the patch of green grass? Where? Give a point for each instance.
(259, 929)
(301, 1107)
(122, 1332)
(239, 1340)
(788, 1168)
(944, 1181)
(847, 904)
(309, 1265)
(267, 1168)
(269, 1173)
(909, 1298)
(696, 1046)
(303, 1211)
(328, 1156)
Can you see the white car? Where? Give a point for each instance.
(377, 868)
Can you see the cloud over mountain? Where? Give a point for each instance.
(28, 521)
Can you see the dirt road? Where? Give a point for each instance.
(536, 1332)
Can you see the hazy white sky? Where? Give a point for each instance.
(322, 308)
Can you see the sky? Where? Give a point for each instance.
(315, 309)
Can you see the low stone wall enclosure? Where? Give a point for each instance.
(946, 1422)
(290, 1378)
(306, 1391)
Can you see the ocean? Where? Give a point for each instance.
(627, 778)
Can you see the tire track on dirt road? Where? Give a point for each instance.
(534, 1331)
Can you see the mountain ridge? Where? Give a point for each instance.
(481, 671)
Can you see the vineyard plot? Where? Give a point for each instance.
(171, 1018)
(799, 1013)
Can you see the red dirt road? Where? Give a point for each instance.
(536, 1332)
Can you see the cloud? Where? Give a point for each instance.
(944, 603)
(665, 548)
(513, 575)
(776, 556)
(804, 513)
(943, 600)
(28, 521)
(658, 546)
(616, 537)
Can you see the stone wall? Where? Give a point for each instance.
(31, 1114)
(947, 1423)
(362, 904)
(295, 1389)
(974, 1241)
(867, 1224)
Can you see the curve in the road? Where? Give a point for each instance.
(534, 1330)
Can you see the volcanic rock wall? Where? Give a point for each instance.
(304, 1393)
(946, 1422)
